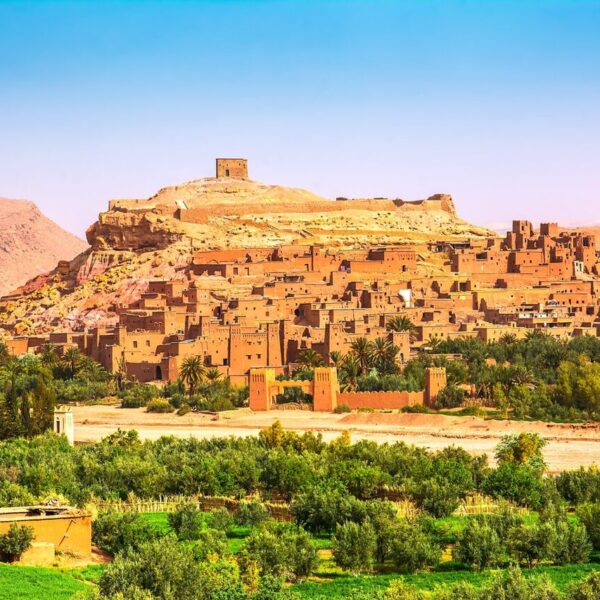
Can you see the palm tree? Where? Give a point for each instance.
(433, 343)
(349, 372)
(310, 359)
(192, 372)
(362, 348)
(383, 355)
(48, 355)
(72, 358)
(213, 374)
(508, 339)
(336, 358)
(401, 323)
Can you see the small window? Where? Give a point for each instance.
(226, 172)
(135, 344)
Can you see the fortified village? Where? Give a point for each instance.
(251, 310)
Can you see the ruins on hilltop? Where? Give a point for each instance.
(254, 308)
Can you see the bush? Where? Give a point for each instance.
(586, 589)
(400, 590)
(114, 532)
(438, 498)
(353, 546)
(511, 584)
(478, 545)
(220, 519)
(451, 396)
(342, 408)
(173, 574)
(210, 544)
(159, 405)
(572, 545)
(531, 544)
(251, 513)
(186, 521)
(413, 548)
(589, 515)
(184, 409)
(279, 550)
(139, 395)
(17, 540)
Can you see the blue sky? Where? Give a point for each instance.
(496, 103)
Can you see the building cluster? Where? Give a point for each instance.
(282, 301)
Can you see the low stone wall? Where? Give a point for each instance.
(380, 400)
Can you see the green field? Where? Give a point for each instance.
(39, 583)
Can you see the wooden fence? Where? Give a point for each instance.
(472, 505)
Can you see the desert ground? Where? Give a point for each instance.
(569, 446)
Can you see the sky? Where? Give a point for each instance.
(494, 102)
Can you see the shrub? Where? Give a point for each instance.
(460, 591)
(589, 515)
(211, 543)
(413, 548)
(184, 409)
(353, 546)
(139, 395)
(220, 519)
(531, 544)
(251, 513)
(279, 550)
(511, 584)
(186, 521)
(478, 545)
(571, 544)
(159, 405)
(342, 408)
(451, 396)
(114, 532)
(438, 498)
(400, 590)
(586, 589)
(173, 574)
(15, 541)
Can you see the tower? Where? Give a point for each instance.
(435, 382)
(237, 168)
(63, 423)
(325, 389)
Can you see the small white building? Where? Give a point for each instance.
(63, 423)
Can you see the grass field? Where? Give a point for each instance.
(37, 583)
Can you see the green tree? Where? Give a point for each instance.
(586, 589)
(310, 359)
(362, 349)
(353, 546)
(186, 521)
(414, 548)
(192, 372)
(478, 545)
(15, 542)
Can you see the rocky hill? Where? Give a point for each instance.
(30, 243)
(137, 240)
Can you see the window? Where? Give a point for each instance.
(226, 172)
(135, 344)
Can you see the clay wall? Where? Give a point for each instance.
(380, 400)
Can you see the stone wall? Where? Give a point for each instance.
(380, 400)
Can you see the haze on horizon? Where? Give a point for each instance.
(494, 102)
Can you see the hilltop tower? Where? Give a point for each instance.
(232, 167)
(435, 382)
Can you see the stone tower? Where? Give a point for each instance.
(435, 382)
(236, 168)
(325, 389)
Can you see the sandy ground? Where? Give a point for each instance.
(569, 446)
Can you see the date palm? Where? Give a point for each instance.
(213, 374)
(362, 350)
(310, 359)
(402, 323)
(192, 372)
(72, 359)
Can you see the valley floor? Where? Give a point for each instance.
(569, 445)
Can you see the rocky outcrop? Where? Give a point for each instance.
(30, 243)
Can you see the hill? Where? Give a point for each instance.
(135, 241)
(30, 243)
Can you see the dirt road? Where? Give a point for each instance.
(569, 446)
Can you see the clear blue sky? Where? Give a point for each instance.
(497, 103)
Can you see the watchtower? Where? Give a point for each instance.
(435, 382)
(236, 168)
